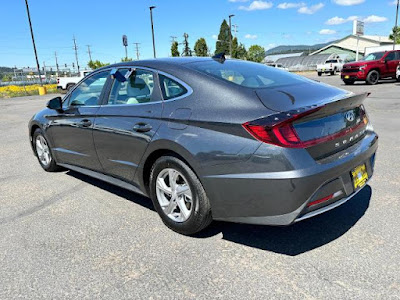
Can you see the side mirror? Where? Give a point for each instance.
(55, 103)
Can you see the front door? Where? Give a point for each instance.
(71, 130)
(127, 121)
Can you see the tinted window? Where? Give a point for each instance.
(89, 90)
(331, 61)
(171, 88)
(374, 56)
(137, 89)
(391, 56)
(247, 74)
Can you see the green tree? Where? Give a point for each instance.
(95, 64)
(238, 50)
(7, 77)
(397, 30)
(256, 53)
(174, 49)
(201, 47)
(124, 59)
(222, 44)
(186, 49)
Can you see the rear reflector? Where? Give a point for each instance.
(334, 195)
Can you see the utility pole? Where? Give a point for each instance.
(89, 52)
(76, 53)
(33, 42)
(58, 70)
(152, 29)
(173, 39)
(235, 29)
(137, 50)
(395, 26)
(44, 70)
(230, 34)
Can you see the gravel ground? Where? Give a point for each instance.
(67, 236)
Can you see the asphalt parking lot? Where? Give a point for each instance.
(67, 236)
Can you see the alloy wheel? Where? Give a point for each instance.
(174, 195)
(43, 150)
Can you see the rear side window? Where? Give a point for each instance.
(137, 89)
(170, 88)
(247, 74)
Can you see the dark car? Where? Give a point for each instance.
(212, 139)
(372, 68)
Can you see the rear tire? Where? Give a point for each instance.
(319, 73)
(43, 152)
(333, 72)
(372, 77)
(184, 212)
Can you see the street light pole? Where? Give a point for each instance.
(395, 26)
(152, 29)
(230, 34)
(33, 42)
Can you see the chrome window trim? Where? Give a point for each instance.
(157, 72)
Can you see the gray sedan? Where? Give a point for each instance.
(209, 138)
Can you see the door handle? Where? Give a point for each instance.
(85, 123)
(142, 127)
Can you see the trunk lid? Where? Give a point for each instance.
(322, 119)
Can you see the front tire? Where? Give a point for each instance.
(43, 152)
(178, 196)
(372, 77)
(319, 73)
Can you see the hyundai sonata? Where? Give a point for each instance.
(212, 139)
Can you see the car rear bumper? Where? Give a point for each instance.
(282, 199)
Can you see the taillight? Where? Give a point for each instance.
(278, 130)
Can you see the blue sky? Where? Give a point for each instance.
(101, 24)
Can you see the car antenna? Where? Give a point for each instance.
(220, 57)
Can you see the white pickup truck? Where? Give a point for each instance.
(331, 66)
(66, 83)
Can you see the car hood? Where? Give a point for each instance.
(360, 63)
(291, 97)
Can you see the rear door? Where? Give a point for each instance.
(127, 121)
(71, 129)
(391, 62)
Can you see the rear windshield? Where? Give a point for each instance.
(247, 74)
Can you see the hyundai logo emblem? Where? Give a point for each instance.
(350, 116)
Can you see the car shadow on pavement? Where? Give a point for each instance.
(291, 240)
(126, 194)
(300, 237)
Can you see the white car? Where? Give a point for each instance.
(66, 83)
(398, 73)
(278, 66)
(331, 66)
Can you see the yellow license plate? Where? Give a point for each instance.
(347, 77)
(360, 176)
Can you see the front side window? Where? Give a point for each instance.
(137, 89)
(390, 56)
(171, 88)
(88, 91)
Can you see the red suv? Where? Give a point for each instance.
(372, 68)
